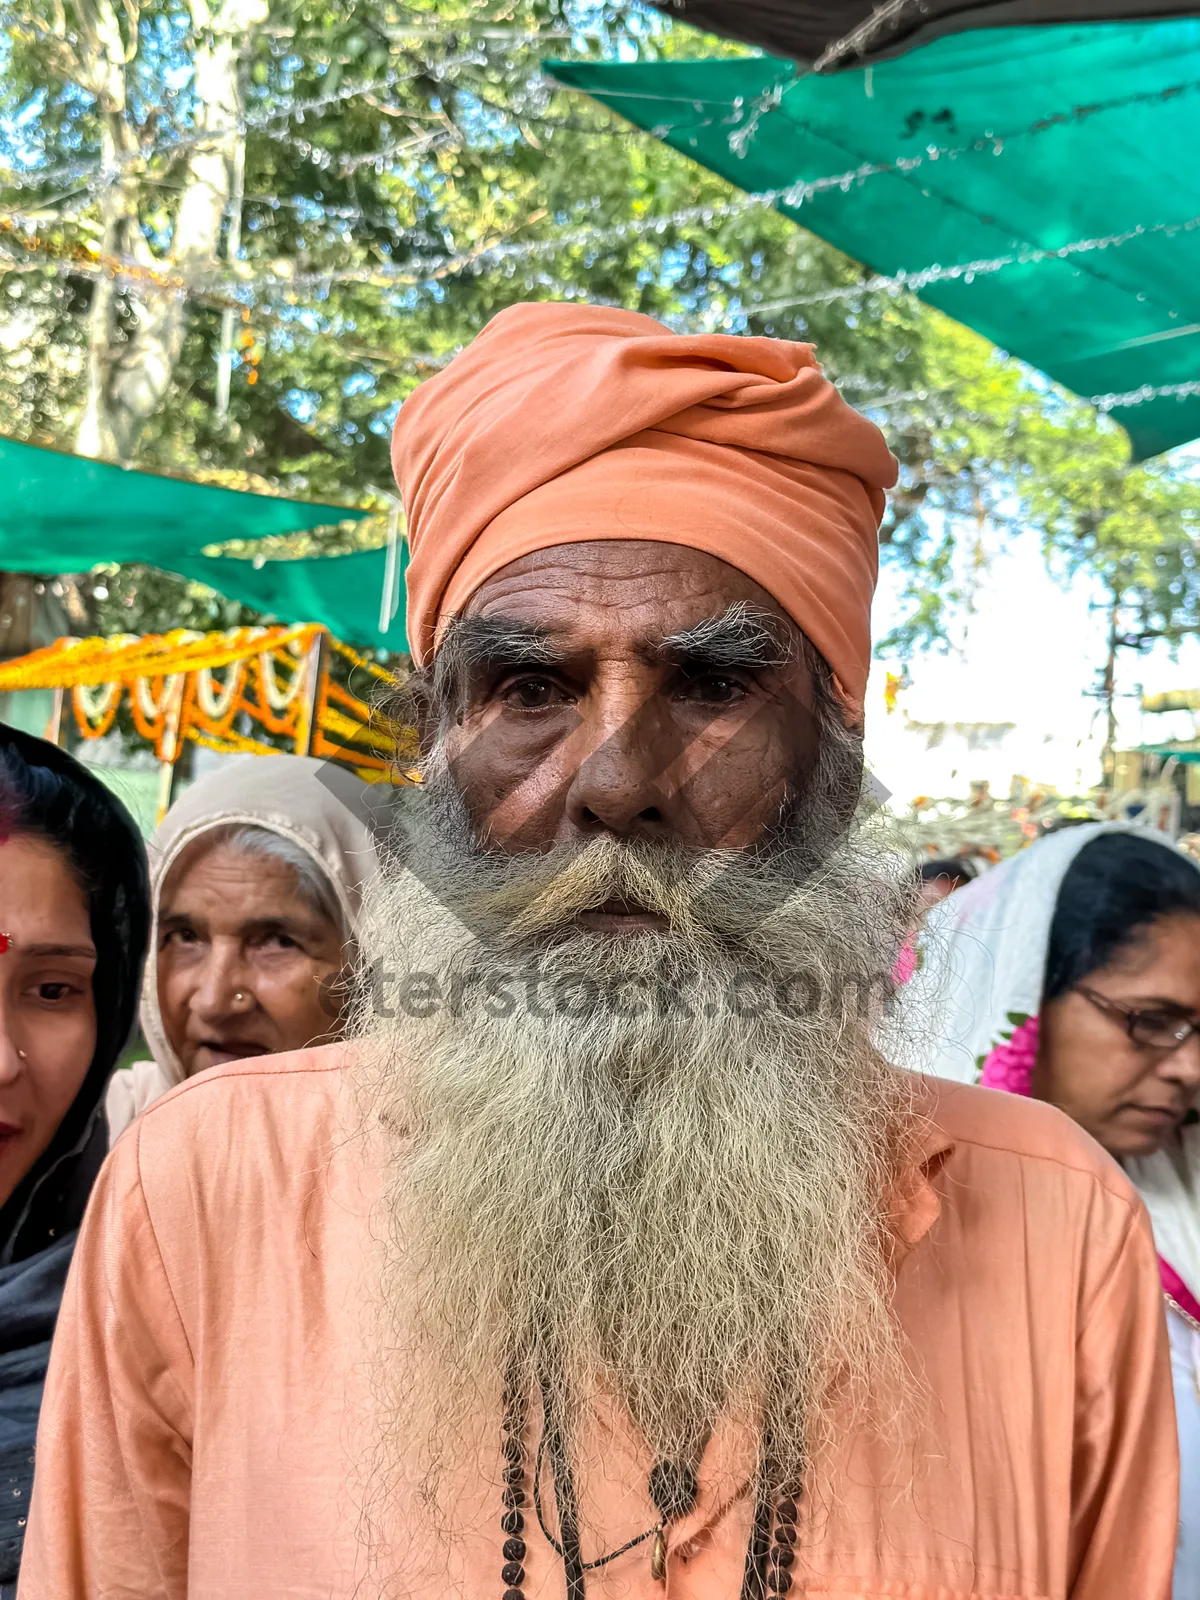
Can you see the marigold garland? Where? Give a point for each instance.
(167, 683)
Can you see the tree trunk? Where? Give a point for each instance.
(1108, 692)
(130, 367)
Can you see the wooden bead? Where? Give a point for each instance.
(514, 1449)
(513, 1594)
(514, 1550)
(787, 1510)
(513, 1574)
(512, 1498)
(782, 1584)
(785, 1534)
(514, 1473)
(512, 1522)
(782, 1556)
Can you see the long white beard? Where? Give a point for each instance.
(683, 1202)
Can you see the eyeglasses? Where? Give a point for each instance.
(1152, 1029)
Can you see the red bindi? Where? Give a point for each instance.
(5, 941)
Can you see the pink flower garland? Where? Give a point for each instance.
(1010, 1064)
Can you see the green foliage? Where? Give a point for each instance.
(996, 450)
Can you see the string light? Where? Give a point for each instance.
(792, 196)
(795, 194)
(225, 292)
(105, 175)
(345, 166)
(429, 362)
(68, 262)
(101, 176)
(239, 290)
(1139, 397)
(522, 251)
(913, 282)
(860, 39)
(1103, 402)
(24, 225)
(262, 122)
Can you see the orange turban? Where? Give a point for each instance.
(564, 423)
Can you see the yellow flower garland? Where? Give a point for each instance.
(166, 680)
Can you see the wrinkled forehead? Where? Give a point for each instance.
(621, 594)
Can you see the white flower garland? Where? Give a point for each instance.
(95, 701)
(151, 708)
(214, 703)
(279, 699)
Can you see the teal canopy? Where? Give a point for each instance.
(1044, 178)
(64, 513)
(343, 592)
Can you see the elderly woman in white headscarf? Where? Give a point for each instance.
(1071, 973)
(257, 875)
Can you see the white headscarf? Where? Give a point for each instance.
(321, 807)
(981, 975)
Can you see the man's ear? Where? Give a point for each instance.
(426, 725)
(414, 708)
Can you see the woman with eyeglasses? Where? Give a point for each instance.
(1071, 973)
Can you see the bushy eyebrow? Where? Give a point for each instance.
(739, 638)
(475, 644)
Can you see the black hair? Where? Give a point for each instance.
(1114, 889)
(47, 794)
(952, 867)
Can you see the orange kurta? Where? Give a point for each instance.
(202, 1433)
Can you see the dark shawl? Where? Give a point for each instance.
(40, 1221)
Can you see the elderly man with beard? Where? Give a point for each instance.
(613, 1260)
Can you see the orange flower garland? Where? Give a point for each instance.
(167, 681)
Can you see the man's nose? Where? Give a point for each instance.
(622, 782)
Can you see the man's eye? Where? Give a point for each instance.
(532, 694)
(713, 688)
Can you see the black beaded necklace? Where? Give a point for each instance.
(769, 1554)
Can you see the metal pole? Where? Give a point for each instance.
(56, 727)
(169, 744)
(389, 600)
(315, 665)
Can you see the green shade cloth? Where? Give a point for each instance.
(93, 511)
(1064, 165)
(343, 592)
(64, 513)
